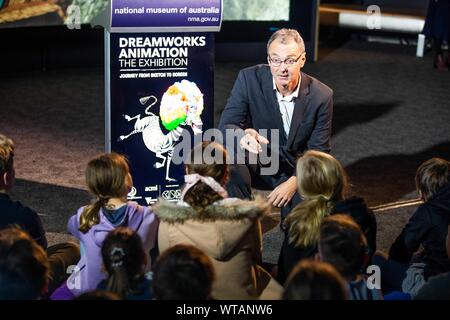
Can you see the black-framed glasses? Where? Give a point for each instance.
(288, 62)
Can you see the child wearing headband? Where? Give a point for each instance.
(228, 230)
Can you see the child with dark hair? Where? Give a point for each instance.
(314, 280)
(61, 255)
(124, 260)
(407, 269)
(24, 266)
(14, 212)
(108, 179)
(228, 230)
(343, 245)
(183, 272)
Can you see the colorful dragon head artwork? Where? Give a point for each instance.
(182, 103)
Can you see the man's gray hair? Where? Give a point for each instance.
(286, 35)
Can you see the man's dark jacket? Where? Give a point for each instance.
(253, 104)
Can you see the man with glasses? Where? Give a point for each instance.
(288, 103)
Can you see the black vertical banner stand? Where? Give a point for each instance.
(159, 86)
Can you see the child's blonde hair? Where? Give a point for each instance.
(6, 154)
(321, 181)
(107, 176)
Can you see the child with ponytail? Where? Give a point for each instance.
(124, 261)
(323, 185)
(108, 179)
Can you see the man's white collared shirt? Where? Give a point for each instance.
(286, 105)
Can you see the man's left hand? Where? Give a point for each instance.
(281, 195)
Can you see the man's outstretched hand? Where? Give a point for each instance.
(252, 140)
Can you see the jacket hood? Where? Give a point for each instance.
(226, 209)
(441, 199)
(133, 218)
(220, 229)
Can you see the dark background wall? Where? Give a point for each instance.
(413, 4)
(48, 48)
(410, 4)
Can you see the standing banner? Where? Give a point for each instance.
(159, 86)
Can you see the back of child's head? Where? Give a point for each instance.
(432, 176)
(343, 245)
(321, 181)
(6, 163)
(313, 280)
(320, 175)
(208, 159)
(107, 176)
(23, 266)
(124, 260)
(183, 272)
(6, 154)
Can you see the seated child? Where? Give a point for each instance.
(108, 179)
(343, 245)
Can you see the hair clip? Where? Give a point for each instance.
(120, 254)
